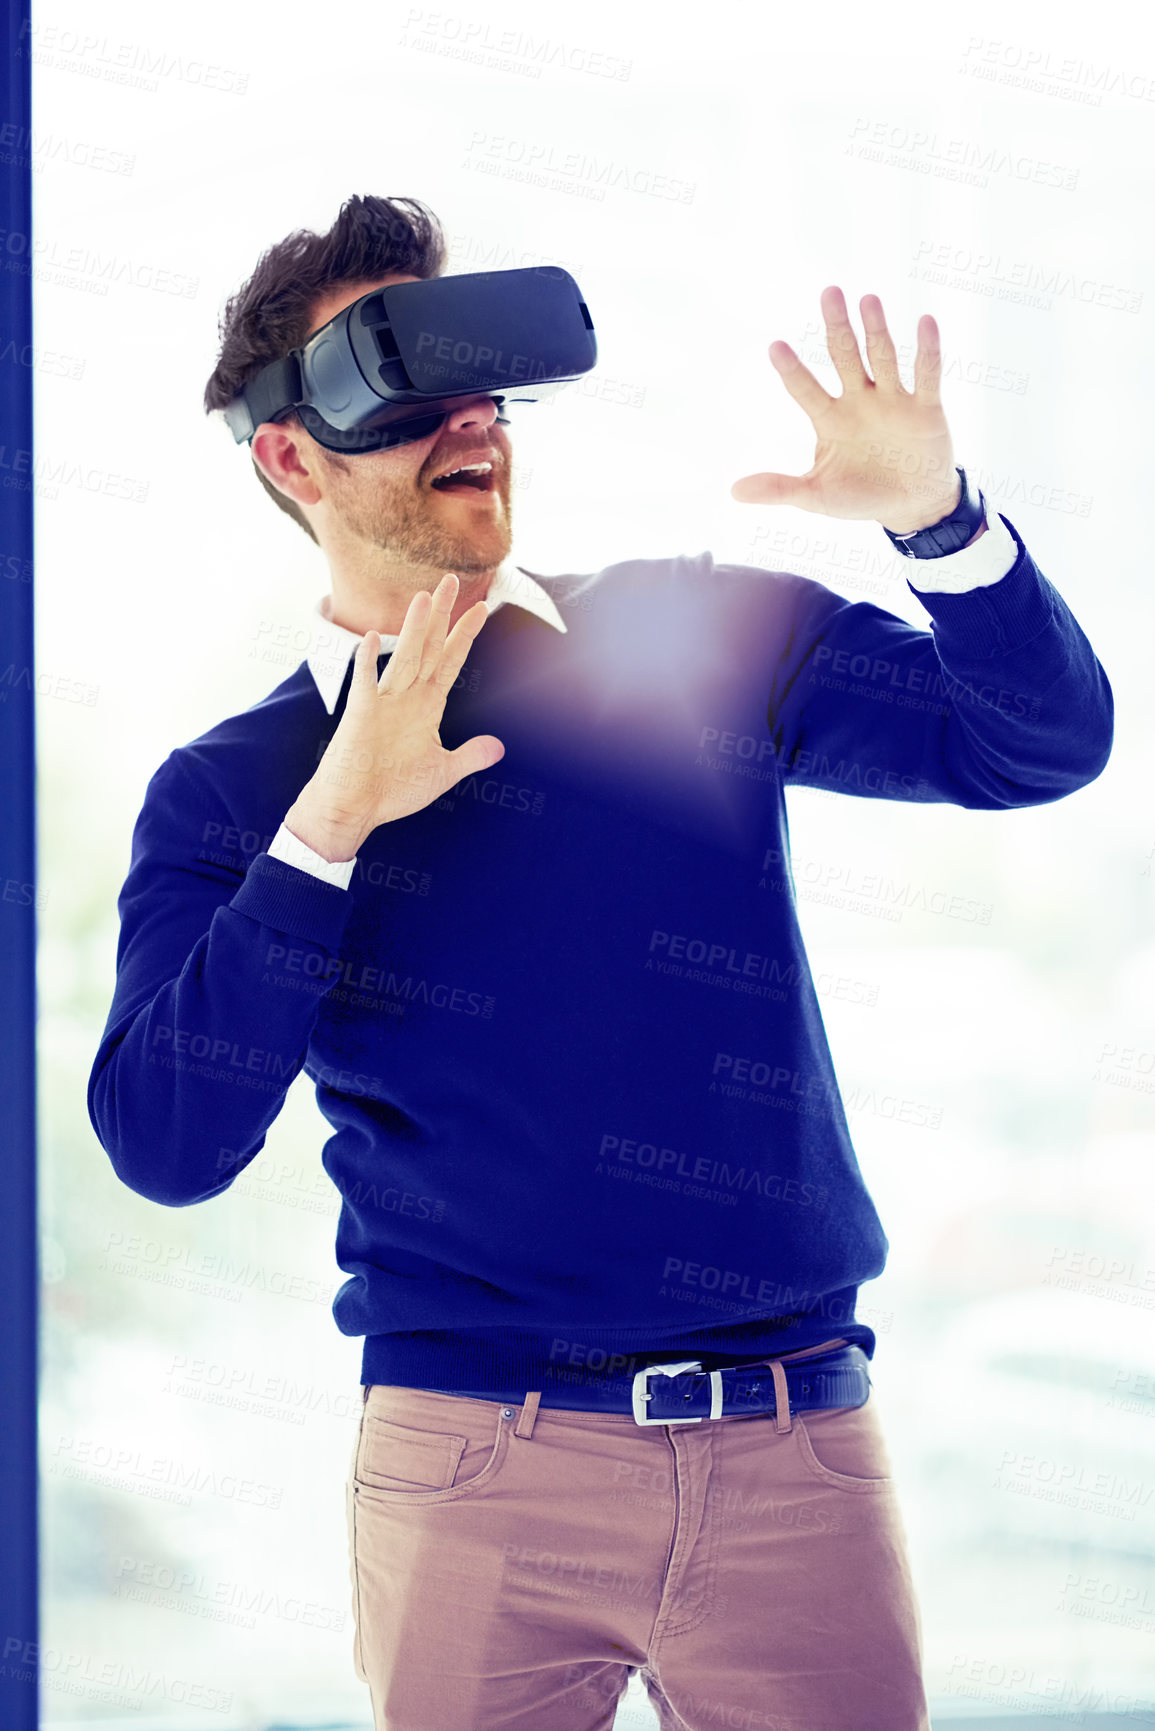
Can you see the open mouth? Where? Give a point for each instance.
(473, 478)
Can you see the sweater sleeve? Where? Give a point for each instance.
(1002, 703)
(219, 975)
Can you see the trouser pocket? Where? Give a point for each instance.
(415, 1446)
(844, 1446)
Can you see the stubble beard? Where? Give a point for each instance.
(399, 520)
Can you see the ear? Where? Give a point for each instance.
(280, 454)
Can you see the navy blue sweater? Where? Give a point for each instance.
(562, 1022)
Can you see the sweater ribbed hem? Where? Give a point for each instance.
(294, 902)
(507, 1364)
(994, 620)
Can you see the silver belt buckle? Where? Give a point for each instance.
(641, 1393)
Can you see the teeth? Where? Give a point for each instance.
(465, 469)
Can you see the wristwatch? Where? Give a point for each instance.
(952, 532)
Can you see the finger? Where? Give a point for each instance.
(800, 382)
(364, 666)
(928, 361)
(772, 489)
(458, 645)
(879, 345)
(405, 661)
(842, 342)
(444, 597)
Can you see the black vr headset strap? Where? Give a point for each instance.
(275, 389)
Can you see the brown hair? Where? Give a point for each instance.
(268, 316)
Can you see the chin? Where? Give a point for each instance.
(476, 557)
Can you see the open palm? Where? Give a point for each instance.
(884, 453)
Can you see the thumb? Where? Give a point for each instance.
(480, 752)
(769, 490)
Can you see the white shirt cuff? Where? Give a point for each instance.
(292, 850)
(983, 562)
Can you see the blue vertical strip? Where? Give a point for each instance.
(19, 1612)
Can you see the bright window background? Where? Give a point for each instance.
(991, 165)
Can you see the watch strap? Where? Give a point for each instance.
(949, 534)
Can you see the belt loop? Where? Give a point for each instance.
(364, 1393)
(525, 1423)
(782, 1418)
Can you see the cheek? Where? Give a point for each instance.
(385, 478)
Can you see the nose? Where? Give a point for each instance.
(471, 412)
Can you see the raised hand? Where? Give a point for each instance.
(884, 453)
(386, 758)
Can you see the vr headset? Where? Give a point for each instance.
(389, 368)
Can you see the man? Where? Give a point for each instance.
(524, 914)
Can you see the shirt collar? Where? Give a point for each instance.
(332, 645)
